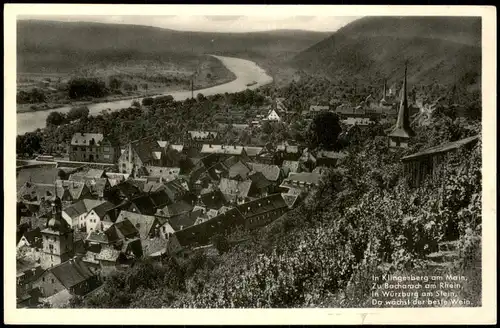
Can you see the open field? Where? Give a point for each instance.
(124, 80)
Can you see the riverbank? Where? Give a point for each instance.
(26, 108)
(210, 72)
(246, 71)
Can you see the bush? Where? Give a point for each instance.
(81, 87)
(147, 101)
(76, 113)
(32, 97)
(220, 243)
(55, 118)
(323, 131)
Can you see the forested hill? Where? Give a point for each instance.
(70, 44)
(446, 50)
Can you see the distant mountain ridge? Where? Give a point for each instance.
(69, 44)
(442, 49)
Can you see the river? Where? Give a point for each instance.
(246, 72)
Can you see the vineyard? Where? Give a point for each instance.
(362, 221)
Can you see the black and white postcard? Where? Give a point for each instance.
(258, 164)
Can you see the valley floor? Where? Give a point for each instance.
(143, 79)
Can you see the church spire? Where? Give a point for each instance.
(385, 91)
(402, 128)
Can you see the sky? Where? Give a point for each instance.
(214, 23)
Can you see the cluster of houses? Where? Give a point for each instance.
(77, 225)
(367, 112)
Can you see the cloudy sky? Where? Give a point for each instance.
(214, 23)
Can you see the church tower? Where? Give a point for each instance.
(57, 238)
(402, 132)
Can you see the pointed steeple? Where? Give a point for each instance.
(402, 128)
(383, 100)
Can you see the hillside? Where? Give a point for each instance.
(63, 46)
(439, 49)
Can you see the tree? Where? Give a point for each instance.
(128, 87)
(55, 118)
(79, 87)
(245, 138)
(37, 96)
(221, 243)
(147, 101)
(200, 97)
(30, 143)
(77, 113)
(324, 131)
(62, 175)
(32, 97)
(114, 83)
(267, 127)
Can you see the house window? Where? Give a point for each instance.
(106, 149)
(53, 281)
(75, 148)
(43, 279)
